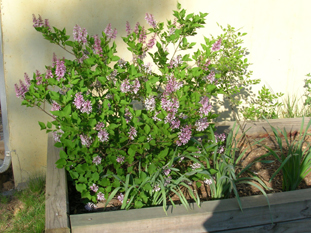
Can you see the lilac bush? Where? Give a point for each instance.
(111, 148)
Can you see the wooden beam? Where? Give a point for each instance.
(56, 204)
(219, 215)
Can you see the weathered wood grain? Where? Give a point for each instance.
(263, 127)
(217, 215)
(302, 225)
(56, 204)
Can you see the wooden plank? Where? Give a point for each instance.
(212, 216)
(56, 204)
(263, 127)
(302, 225)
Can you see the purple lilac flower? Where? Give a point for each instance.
(128, 115)
(101, 196)
(121, 197)
(103, 135)
(108, 29)
(147, 68)
(217, 45)
(172, 85)
(169, 118)
(90, 206)
(221, 137)
(170, 105)
(37, 22)
(38, 77)
(150, 20)
(132, 133)
(167, 180)
(27, 80)
(125, 86)
(114, 34)
(206, 107)
(99, 126)
(81, 59)
(195, 166)
(167, 171)
(60, 69)
(55, 106)
(136, 30)
(48, 74)
(120, 159)
(208, 181)
(94, 188)
(97, 160)
(78, 101)
(184, 136)
(57, 135)
(128, 28)
(175, 61)
(77, 33)
(85, 141)
(97, 45)
(84, 36)
(142, 36)
(175, 124)
(54, 60)
(155, 118)
(121, 63)
(136, 86)
(47, 24)
(201, 124)
(221, 149)
(109, 33)
(150, 103)
(211, 77)
(156, 188)
(87, 107)
(18, 91)
(151, 42)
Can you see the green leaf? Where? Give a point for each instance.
(42, 125)
(147, 129)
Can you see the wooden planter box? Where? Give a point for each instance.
(291, 211)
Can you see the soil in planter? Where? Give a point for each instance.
(264, 171)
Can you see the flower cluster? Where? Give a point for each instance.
(97, 160)
(39, 22)
(175, 61)
(184, 135)
(80, 103)
(94, 188)
(97, 45)
(220, 137)
(216, 46)
(150, 20)
(24, 87)
(111, 34)
(57, 135)
(79, 34)
(150, 103)
(201, 124)
(86, 141)
(101, 197)
(127, 87)
(132, 133)
(55, 106)
(172, 85)
(206, 107)
(120, 159)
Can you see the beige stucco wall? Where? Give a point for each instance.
(277, 40)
